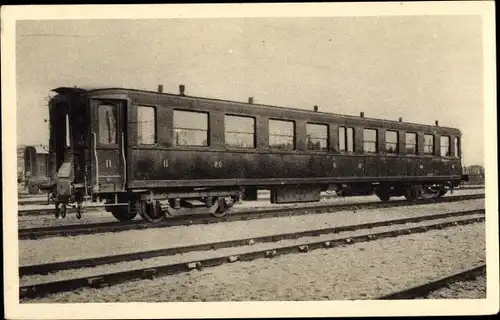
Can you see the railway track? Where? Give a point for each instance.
(93, 228)
(421, 291)
(424, 224)
(44, 201)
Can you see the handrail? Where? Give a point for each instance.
(96, 161)
(124, 161)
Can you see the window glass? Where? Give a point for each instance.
(411, 143)
(346, 139)
(342, 139)
(391, 141)
(282, 134)
(190, 128)
(107, 124)
(350, 139)
(370, 140)
(239, 131)
(146, 125)
(457, 147)
(429, 144)
(317, 136)
(445, 146)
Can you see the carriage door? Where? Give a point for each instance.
(109, 142)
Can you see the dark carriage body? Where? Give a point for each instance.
(124, 142)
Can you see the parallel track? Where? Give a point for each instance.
(93, 228)
(93, 262)
(38, 290)
(422, 291)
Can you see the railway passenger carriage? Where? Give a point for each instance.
(160, 154)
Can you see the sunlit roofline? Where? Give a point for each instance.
(63, 90)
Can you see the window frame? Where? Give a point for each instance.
(456, 144)
(254, 131)
(346, 139)
(327, 138)
(294, 134)
(174, 143)
(396, 151)
(441, 146)
(116, 104)
(370, 141)
(416, 143)
(155, 116)
(433, 151)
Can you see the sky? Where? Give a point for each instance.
(420, 68)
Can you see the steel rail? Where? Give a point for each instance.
(93, 228)
(423, 290)
(108, 279)
(96, 207)
(46, 268)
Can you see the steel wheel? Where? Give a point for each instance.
(151, 212)
(79, 210)
(57, 212)
(382, 194)
(413, 193)
(124, 214)
(222, 207)
(61, 211)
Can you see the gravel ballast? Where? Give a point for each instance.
(100, 215)
(86, 246)
(200, 255)
(360, 271)
(471, 289)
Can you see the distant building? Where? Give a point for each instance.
(474, 170)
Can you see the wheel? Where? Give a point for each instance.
(382, 194)
(221, 208)
(413, 192)
(79, 211)
(384, 197)
(151, 212)
(60, 211)
(57, 212)
(123, 214)
(442, 192)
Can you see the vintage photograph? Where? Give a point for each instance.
(272, 157)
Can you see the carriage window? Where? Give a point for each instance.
(239, 131)
(191, 128)
(457, 147)
(445, 146)
(370, 140)
(146, 125)
(346, 139)
(282, 134)
(411, 143)
(429, 144)
(107, 124)
(317, 136)
(391, 141)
